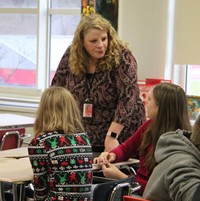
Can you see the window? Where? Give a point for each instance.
(33, 37)
(193, 80)
(18, 43)
(62, 29)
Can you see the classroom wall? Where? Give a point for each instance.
(187, 32)
(143, 24)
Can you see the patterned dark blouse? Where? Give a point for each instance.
(115, 95)
(62, 166)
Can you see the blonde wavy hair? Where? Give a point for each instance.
(78, 55)
(58, 110)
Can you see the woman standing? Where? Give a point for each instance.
(101, 73)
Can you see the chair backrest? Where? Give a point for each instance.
(119, 191)
(11, 138)
(133, 198)
(108, 191)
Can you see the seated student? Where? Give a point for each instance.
(60, 154)
(167, 110)
(177, 174)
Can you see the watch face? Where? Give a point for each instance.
(113, 135)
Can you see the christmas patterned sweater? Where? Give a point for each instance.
(62, 166)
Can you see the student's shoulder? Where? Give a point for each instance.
(82, 135)
(125, 51)
(196, 196)
(147, 123)
(83, 138)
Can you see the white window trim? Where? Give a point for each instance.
(24, 99)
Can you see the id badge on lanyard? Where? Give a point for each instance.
(88, 106)
(88, 109)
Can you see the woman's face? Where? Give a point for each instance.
(96, 43)
(151, 107)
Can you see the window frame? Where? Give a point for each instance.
(10, 95)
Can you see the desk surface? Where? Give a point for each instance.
(129, 162)
(23, 152)
(15, 166)
(15, 170)
(13, 120)
(14, 153)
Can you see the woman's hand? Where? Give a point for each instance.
(111, 171)
(104, 157)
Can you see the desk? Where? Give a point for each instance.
(17, 172)
(129, 162)
(14, 153)
(23, 152)
(13, 120)
(98, 176)
(15, 167)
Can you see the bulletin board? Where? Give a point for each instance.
(107, 8)
(193, 103)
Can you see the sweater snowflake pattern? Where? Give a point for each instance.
(62, 166)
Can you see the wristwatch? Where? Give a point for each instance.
(112, 134)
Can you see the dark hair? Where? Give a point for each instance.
(195, 136)
(172, 115)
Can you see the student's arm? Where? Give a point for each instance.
(38, 157)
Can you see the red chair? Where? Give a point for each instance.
(133, 198)
(11, 138)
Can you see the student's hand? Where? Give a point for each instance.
(110, 143)
(111, 171)
(104, 157)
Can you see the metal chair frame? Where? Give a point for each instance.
(125, 187)
(9, 133)
(19, 132)
(107, 191)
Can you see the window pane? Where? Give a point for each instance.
(193, 74)
(66, 3)
(18, 3)
(62, 30)
(18, 50)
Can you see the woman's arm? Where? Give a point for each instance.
(111, 141)
(127, 93)
(127, 89)
(130, 148)
(59, 78)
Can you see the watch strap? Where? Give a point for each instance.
(112, 134)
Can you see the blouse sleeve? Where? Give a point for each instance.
(128, 90)
(59, 78)
(130, 148)
(38, 159)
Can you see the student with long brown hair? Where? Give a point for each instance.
(167, 110)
